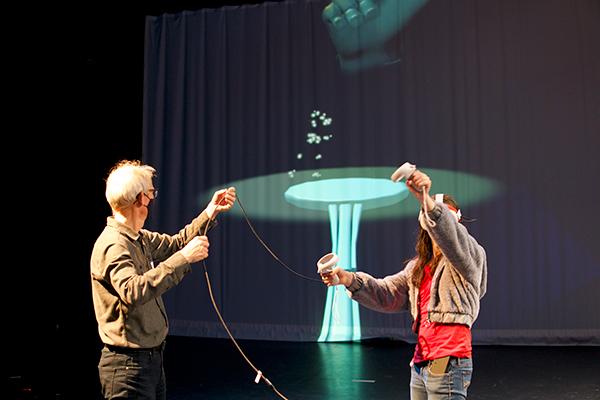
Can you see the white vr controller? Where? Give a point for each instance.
(326, 264)
(404, 171)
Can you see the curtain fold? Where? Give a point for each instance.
(499, 101)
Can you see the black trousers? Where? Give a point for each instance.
(132, 373)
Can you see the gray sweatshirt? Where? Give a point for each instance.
(458, 283)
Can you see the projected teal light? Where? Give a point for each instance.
(344, 199)
(262, 196)
(348, 195)
(343, 370)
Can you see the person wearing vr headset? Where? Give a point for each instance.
(441, 286)
(130, 269)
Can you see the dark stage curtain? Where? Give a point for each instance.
(499, 100)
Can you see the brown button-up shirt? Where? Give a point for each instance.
(130, 271)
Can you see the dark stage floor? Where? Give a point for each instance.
(373, 369)
(199, 368)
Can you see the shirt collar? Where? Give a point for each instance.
(122, 228)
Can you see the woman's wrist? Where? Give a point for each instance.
(429, 203)
(347, 278)
(355, 282)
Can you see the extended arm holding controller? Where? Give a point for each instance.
(419, 185)
(325, 267)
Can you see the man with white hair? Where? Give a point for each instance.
(130, 269)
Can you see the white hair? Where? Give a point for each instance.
(126, 180)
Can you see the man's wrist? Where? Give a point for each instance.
(211, 211)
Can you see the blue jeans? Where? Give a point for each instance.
(136, 374)
(452, 385)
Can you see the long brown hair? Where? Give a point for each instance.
(424, 249)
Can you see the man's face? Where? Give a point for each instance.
(146, 198)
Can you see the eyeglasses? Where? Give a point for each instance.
(153, 192)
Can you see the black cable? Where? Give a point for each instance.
(269, 249)
(259, 373)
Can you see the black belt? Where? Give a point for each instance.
(133, 350)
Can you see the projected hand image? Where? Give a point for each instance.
(362, 29)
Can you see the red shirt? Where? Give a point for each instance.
(435, 339)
